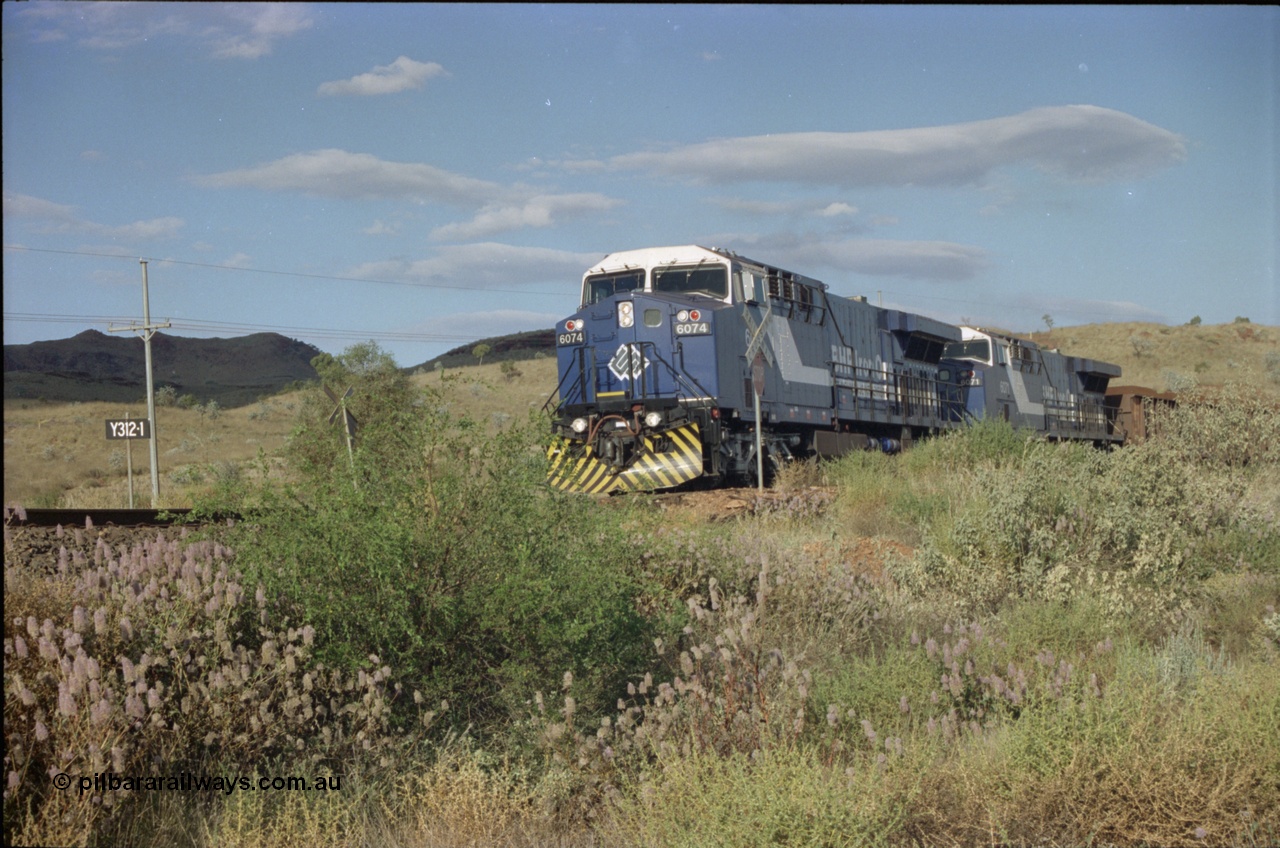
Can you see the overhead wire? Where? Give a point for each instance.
(239, 328)
(300, 274)
(197, 325)
(427, 285)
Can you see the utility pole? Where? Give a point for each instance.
(147, 330)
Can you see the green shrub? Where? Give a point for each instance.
(785, 797)
(1136, 766)
(1140, 528)
(438, 547)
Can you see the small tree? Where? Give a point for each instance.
(381, 401)
(1048, 321)
(1141, 346)
(480, 351)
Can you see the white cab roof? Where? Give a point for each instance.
(650, 257)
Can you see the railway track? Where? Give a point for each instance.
(18, 517)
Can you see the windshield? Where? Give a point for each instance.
(711, 280)
(600, 286)
(976, 349)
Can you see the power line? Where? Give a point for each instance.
(1079, 312)
(233, 327)
(331, 277)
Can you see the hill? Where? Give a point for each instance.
(1177, 358)
(513, 347)
(93, 366)
(1152, 355)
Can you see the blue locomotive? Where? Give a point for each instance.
(678, 355)
(1059, 396)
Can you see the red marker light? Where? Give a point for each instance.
(694, 315)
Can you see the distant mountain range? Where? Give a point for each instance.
(93, 366)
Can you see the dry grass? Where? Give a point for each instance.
(484, 391)
(1164, 358)
(57, 454)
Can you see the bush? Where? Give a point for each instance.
(438, 547)
(1060, 776)
(157, 659)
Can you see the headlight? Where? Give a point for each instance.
(653, 419)
(626, 314)
(579, 425)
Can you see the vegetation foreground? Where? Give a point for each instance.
(987, 640)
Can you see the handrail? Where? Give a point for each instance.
(647, 382)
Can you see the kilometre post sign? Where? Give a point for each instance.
(128, 428)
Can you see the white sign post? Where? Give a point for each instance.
(129, 429)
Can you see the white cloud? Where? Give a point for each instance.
(153, 228)
(542, 210)
(484, 264)
(361, 176)
(380, 228)
(1086, 143)
(26, 206)
(225, 30)
(50, 217)
(401, 75)
(939, 261)
(1086, 310)
(755, 207)
(267, 23)
(832, 210)
(337, 173)
(784, 207)
(925, 260)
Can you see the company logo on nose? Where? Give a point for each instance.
(628, 362)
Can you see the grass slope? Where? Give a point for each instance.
(1171, 358)
(57, 454)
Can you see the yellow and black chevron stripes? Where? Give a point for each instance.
(587, 473)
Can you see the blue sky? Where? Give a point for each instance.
(427, 175)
